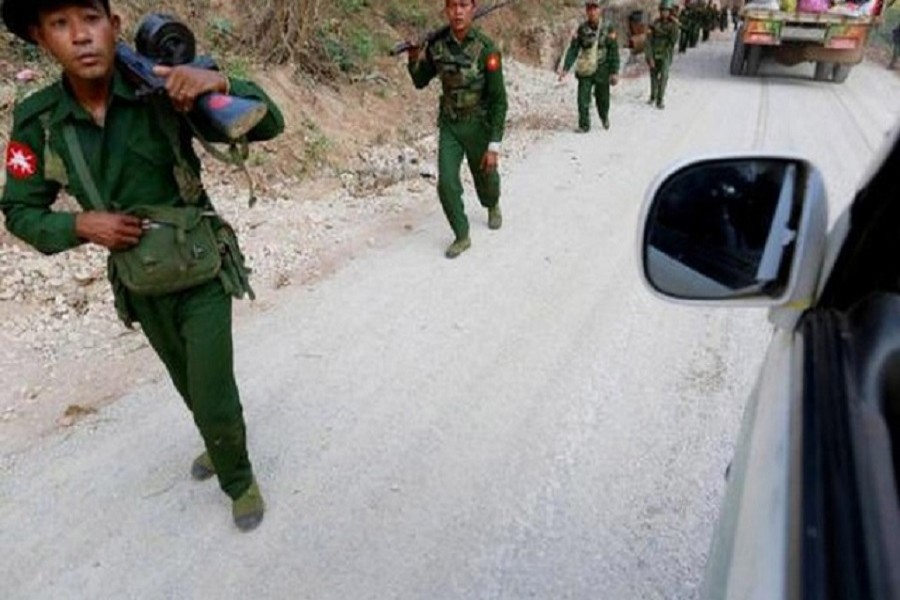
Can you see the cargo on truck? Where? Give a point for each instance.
(830, 34)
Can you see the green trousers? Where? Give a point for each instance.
(659, 78)
(191, 333)
(457, 139)
(598, 86)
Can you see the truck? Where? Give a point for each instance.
(791, 32)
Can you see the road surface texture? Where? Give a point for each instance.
(523, 422)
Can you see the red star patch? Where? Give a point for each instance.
(21, 161)
(493, 62)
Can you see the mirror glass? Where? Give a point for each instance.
(724, 229)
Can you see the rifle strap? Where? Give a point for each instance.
(82, 169)
(238, 152)
(189, 184)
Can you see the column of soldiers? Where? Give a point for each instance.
(697, 20)
(128, 160)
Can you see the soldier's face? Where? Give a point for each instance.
(460, 14)
(82, 38)
(593, 13)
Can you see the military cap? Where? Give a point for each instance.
(666, 4)
(18, 15)
(592, 3)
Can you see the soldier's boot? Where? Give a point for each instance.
(495, 217)
(660, 105)
(202, 468)
(605, 121)
(249, 508)
(458, 247)
(652, 100)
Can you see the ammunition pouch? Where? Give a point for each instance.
(178, 250)
(462, 104)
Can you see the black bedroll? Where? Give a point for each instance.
(162, 40)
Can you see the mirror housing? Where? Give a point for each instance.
(745, 230)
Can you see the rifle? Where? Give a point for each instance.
(162, 40)
(434, 34)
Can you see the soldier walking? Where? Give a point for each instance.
(595, 54)
(661, 40)
(129, 162)
(472, 115)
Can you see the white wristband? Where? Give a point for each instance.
(494, 147)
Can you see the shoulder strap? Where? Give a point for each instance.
(189, 184)
(81, 168)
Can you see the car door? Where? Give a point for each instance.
(810, 509)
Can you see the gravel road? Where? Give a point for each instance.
(523, 422)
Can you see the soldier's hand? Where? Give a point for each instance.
(111, 230)
(185, 84)
(489, 162)
(562, 75)
(613, 79)
(415, 53)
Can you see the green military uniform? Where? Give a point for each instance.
(586, 37)
(662, 37)
(691, 19)
(132, 159)
(471, 120)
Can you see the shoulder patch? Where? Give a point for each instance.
(21, 160)
(492, 63)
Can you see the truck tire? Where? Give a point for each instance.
(754, 58)
(841, 72)
(824, 70)
(738, 55)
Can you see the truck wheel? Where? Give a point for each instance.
(841, 72)
(824, 71)
(738, 55)
(754, 58)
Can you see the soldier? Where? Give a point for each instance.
(472, 115)
(736, 16)
(125, 157)
(660, 49)
(595, 54)
(684, 19)
(708, 15)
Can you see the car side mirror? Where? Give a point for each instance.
(736, 229)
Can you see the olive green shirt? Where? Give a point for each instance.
(130, 158)
(475, 53)
(662, 38)
(584, 38)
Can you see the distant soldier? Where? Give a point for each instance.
(472, 115)
(723, 18)
(684, 25)
(895, 34)
(660, 49)
(595, 54)
(709, 14)
(735, 16)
